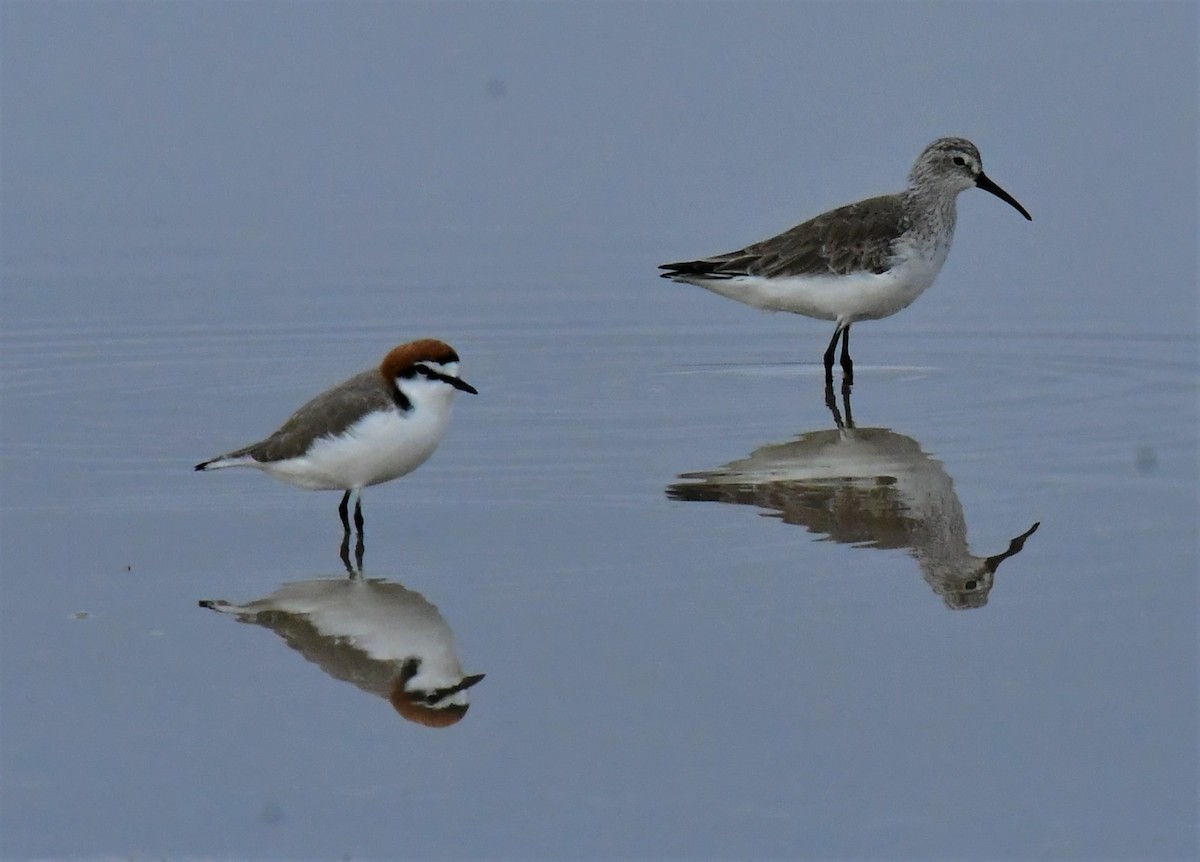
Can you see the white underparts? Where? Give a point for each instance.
(381, 446)
(860, 296)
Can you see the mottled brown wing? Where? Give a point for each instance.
(328, 414)
(858, 236)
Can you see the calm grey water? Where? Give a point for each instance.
(713, 623)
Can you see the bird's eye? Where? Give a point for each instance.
(424, 369)
(959, 160)
(431, 698)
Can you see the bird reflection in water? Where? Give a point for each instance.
(380, 636)
(868, 487)
(353, 568)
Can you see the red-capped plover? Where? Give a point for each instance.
(375, 427)
(863, 261)
(384, 638)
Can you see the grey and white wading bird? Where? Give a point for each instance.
(865, 487)
(375, 427)
(863, 261)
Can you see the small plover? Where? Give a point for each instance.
(375, 427)
(863, 261)
(384, 638)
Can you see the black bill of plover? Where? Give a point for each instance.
(863, 261)
(377, 426)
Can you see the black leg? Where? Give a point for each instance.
(847, 365)
(831, 402)
(354, 569)
(342, 510)
(344, 553)
(358, 518)
(829, 353)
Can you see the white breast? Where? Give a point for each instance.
(846, 298)
(381, 446)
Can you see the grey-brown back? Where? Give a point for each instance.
(329, 414)
(857, 237)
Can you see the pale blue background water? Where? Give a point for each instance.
(211, 211)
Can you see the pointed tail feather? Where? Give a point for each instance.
(688, 270)
(221, 606)
(685, 267)
(233, 459)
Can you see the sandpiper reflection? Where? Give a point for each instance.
(382, 637)
(864, 486)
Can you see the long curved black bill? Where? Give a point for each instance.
(1014, 547)
(985, 183)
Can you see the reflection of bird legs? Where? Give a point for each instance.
(354, 570)
(344, 512)
(1014, 547)
(831, 403)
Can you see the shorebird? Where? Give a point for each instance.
(378, 635)
(863, 261)
(865, 487)
(375, 427)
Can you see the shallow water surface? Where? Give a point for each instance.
(840, 652)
